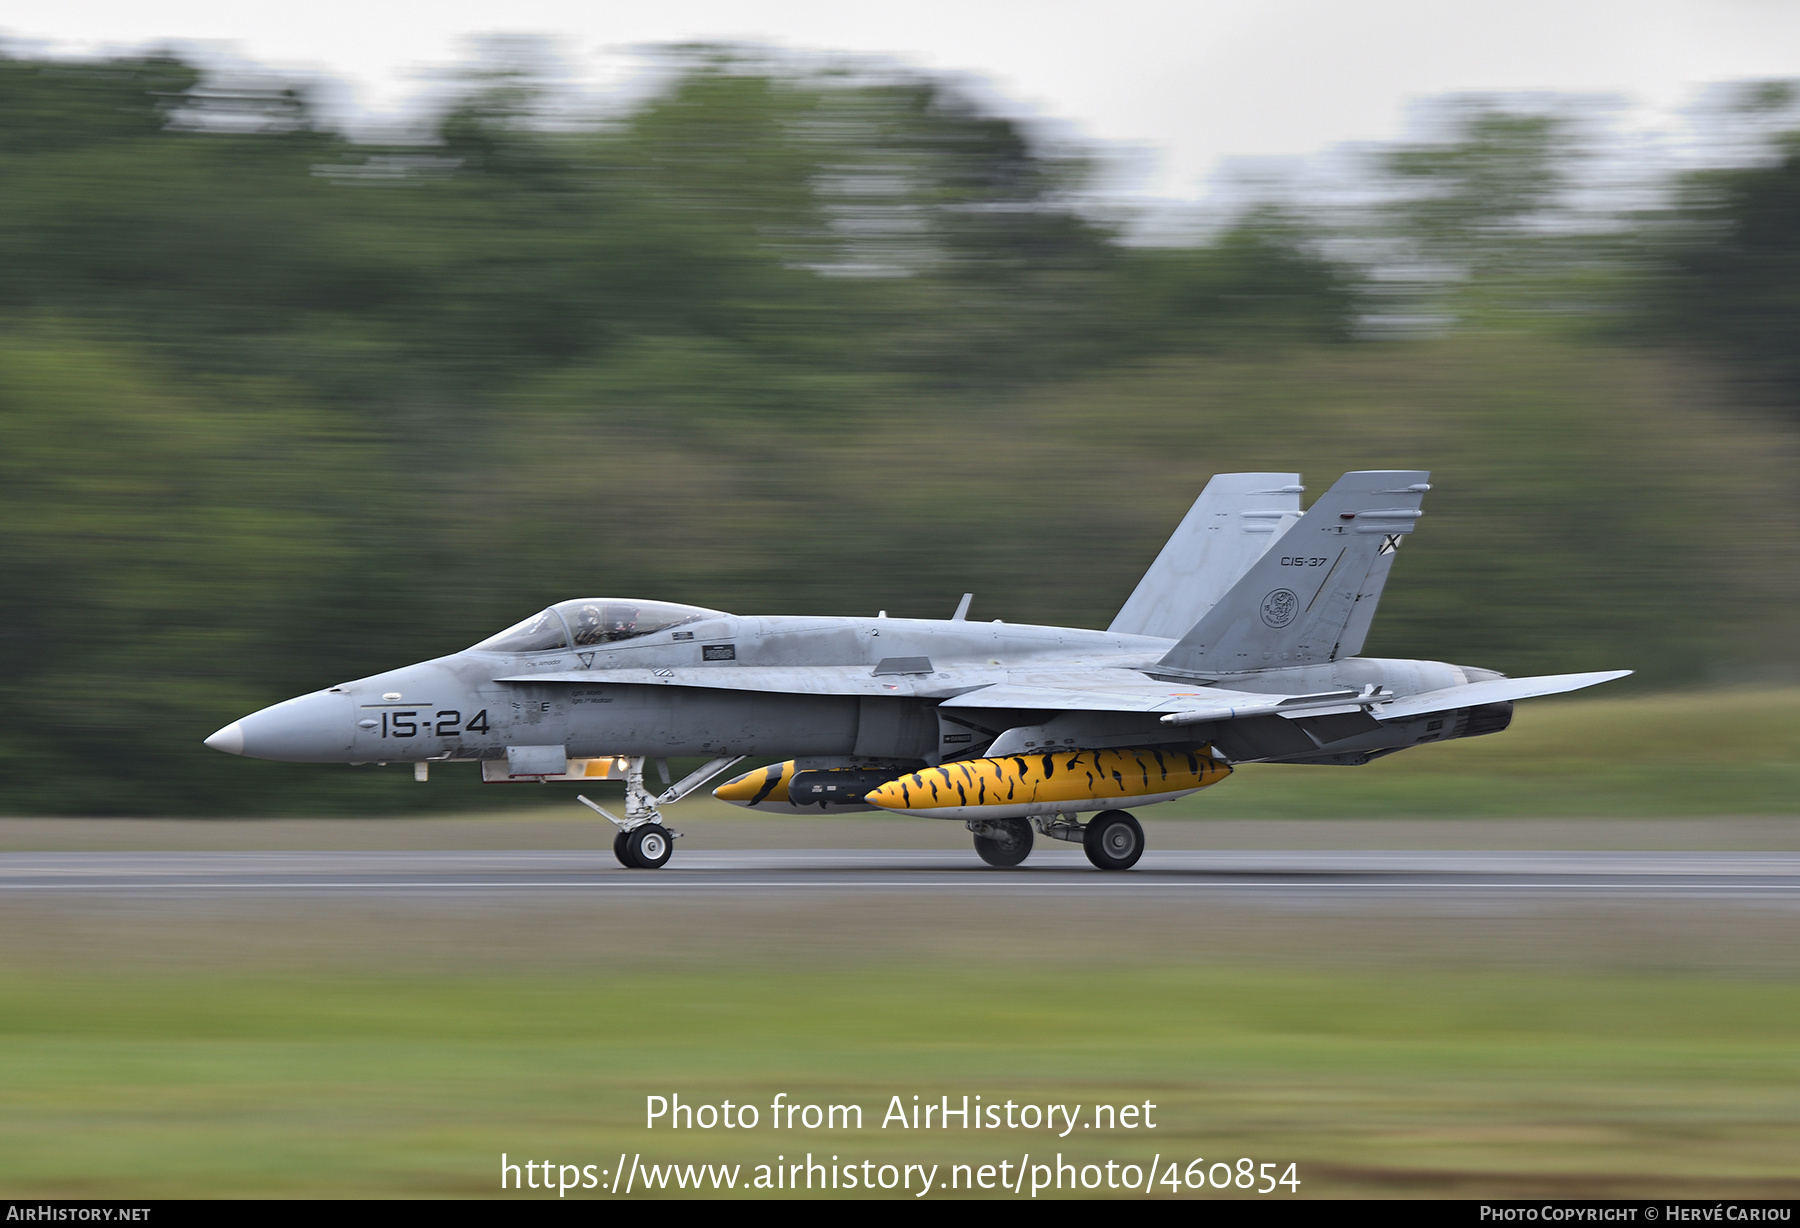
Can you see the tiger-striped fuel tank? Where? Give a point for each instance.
(766, 786)
(780, 789)
(1021, 786)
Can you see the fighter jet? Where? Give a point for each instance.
(1239, 646)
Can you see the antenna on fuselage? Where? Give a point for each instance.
(962, 608)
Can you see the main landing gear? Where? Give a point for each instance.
(1112, 839)
(1002, 842)
(644, 841)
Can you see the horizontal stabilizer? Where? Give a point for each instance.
(1499, 690)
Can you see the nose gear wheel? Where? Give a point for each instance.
(649, 846)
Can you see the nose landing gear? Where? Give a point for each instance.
(649, 846)
(644, 841)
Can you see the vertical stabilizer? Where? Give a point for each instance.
(1311, 599)
(1229, 527)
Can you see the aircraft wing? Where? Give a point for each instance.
(1085, 692)
(1126, 691)
(1081, 689)
(1499, 690)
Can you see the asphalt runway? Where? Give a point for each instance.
(1059, 869)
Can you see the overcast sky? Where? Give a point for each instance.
(1174, 88)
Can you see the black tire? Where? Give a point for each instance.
(620, 852)
(649, 846)
(1113, 840)
(1010, 845)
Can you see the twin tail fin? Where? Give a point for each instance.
(1312, 597)
(1231, 525)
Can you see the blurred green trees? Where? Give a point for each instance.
(278, 409)
(1733, 281)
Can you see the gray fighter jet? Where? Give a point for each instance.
(1238, 646)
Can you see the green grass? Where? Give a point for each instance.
(1442, 1083)
(1699, 753)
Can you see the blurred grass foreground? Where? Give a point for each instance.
(278, 408)
(1446, 1083)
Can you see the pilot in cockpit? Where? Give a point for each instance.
(593, 623)
(620, 622)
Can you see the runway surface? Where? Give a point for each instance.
(1057, 869)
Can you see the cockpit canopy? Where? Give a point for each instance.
(588, 621)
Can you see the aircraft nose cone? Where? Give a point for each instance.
(229, 739)
(315, 728)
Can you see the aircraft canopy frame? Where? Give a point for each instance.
(589, 622)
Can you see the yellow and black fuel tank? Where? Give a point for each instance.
(780, 789)
(766, 787)
(1021, 786)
